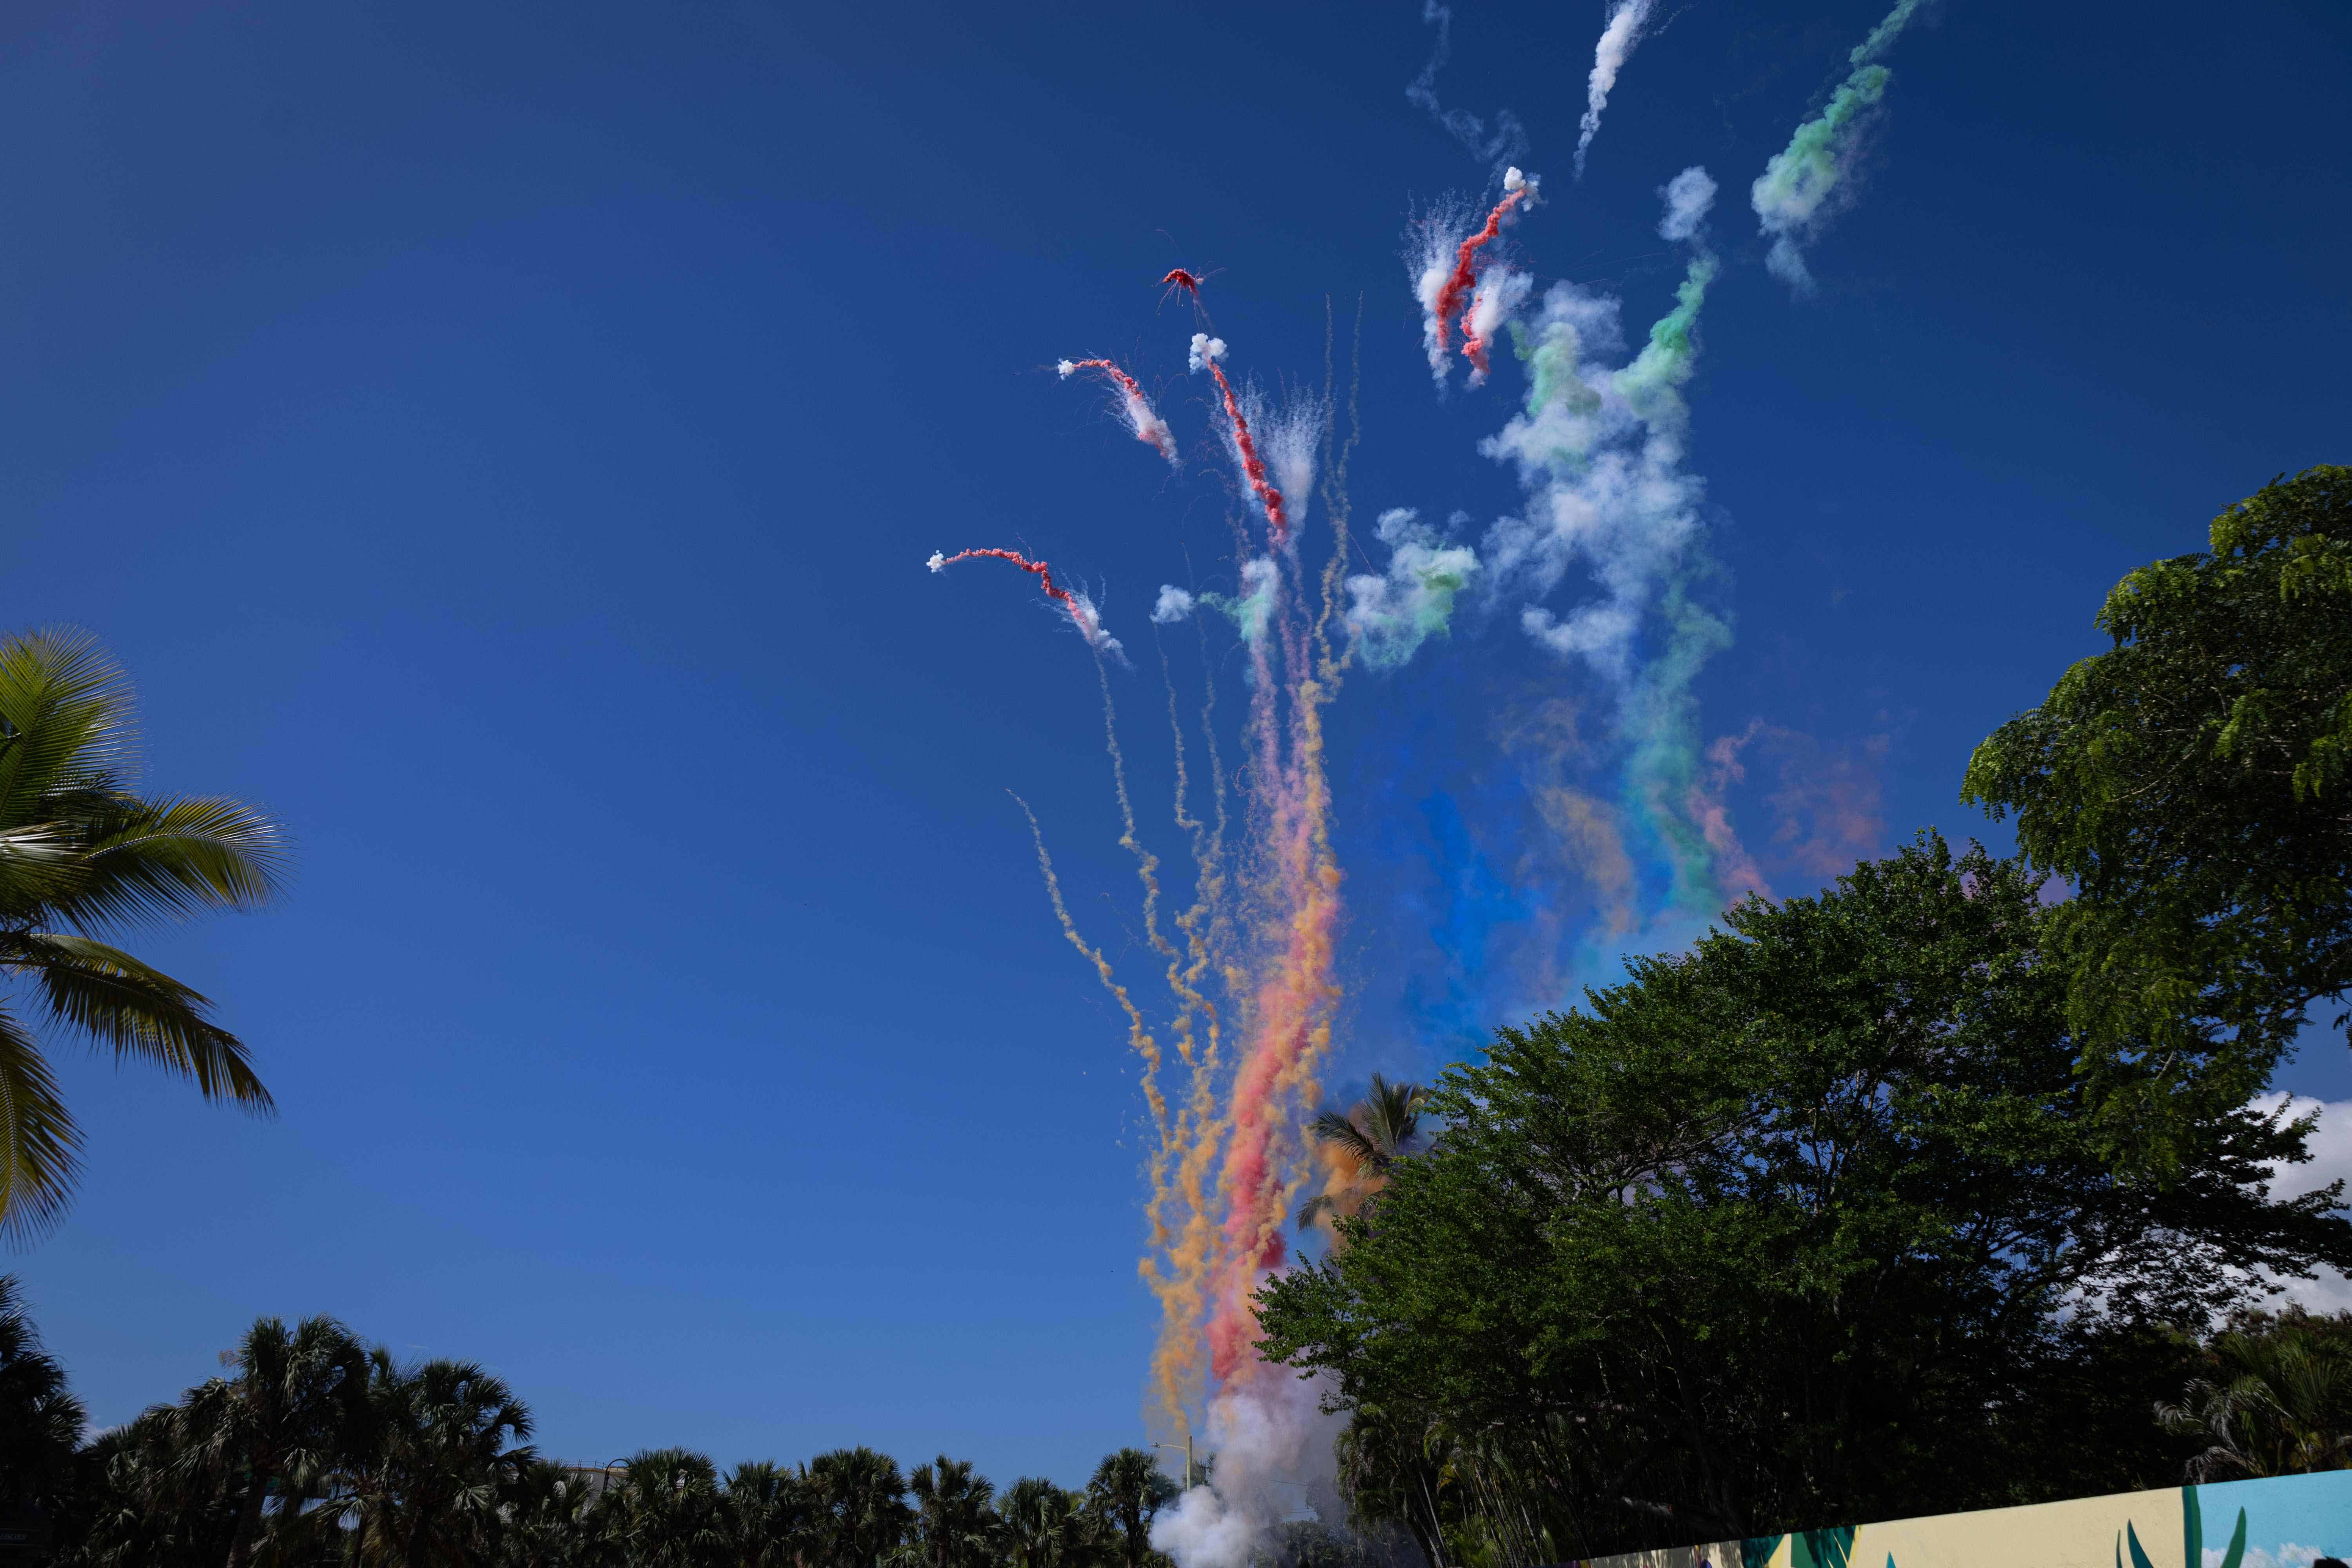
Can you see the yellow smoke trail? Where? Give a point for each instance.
(1139, 1034)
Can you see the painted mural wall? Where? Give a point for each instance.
(2279, 1522)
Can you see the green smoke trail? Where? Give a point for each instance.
(1791, 197)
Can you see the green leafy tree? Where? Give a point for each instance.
(1812, 1223)
(82, 854)
(861, 1500)
(282, 1427)
(1127, 1492)
(40, 1420)
(2194, 783)
(955, 1520)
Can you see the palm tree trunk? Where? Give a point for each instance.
(246, 1539)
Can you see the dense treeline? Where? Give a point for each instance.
(1923, 1193)
(315, 1450)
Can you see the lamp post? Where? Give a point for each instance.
(1191, 1473)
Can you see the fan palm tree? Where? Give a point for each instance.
(671, 1501)
(765, 1516)
(862, 1499)
(1044, 1526)
(2276, 1399)
(955, 1517)
(443, 1459)
(82, 854)
(1127, 1491)
(281, 1427)
(1362, 1144)
(142, 1506)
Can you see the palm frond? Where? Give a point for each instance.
(66, 717)
(149, 861)
(139, 1011)
(1336, 1127)
(39, 1145)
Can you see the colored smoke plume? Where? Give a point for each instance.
(1391, 615)
(1207, 351)
(1076, 604)
(1618, 39)
(1446, 264)
(1807, 184)
(1133, 406)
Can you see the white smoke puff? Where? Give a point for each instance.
(1498, 296)
(1618, 39)
(1068, 368)
(1689, 196)
(1273, 1447)
(1204, 349)
(1289, 439)
(939, 561)
(1435, 238)
(1390, 616)
(1174, 605)
(1089, 621)
(1514, 180)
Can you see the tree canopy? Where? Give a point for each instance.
(1811, 1223)
(2194, 783)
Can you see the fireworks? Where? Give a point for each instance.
(1133, 405)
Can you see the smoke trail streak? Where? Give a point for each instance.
(1616, 46)
(1804, 185)
(1509, 143)
(1138, 1033)
(1133, 405)
(1206, 351)
(1444, 284)
(1077, 605)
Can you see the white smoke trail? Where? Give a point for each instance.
(1509, 143)
(1290, 437)
(1608, 57)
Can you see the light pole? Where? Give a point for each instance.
(1190, 1471)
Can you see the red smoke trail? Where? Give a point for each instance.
(1141, 417)
(1453, 296)
(1081, 609)
(1206, 351)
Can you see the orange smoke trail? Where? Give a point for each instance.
(1454, 295)
(1141, 417)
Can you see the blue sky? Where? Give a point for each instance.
(505, 440)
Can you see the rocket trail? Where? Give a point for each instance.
(1141, 417)
(1455, 290)
(1206, 351)
(1080, 609)
(1452, 296)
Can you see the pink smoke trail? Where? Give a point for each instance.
(1454, 294)
(1080, 608)
(1141, 417)
(1206, 351)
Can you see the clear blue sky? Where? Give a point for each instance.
(504, 440)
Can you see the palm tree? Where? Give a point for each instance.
(141, 1507)
(281, 1427)
(670, 1501)
(2277, 1398)
(440, 1468)
(81, 853)
(766, 1515)
(1129, 1490)
(861, 1497)
(555, 1519)
(1362, 1146)
(1044, 1526)
(40, 1420)
(955, 1519)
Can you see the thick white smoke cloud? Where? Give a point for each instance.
(1689, 196)
(1204, 349)
(1608, 57)
(1275, 1462)
(1390, 616)
(1174, 605)
(1601, 453)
